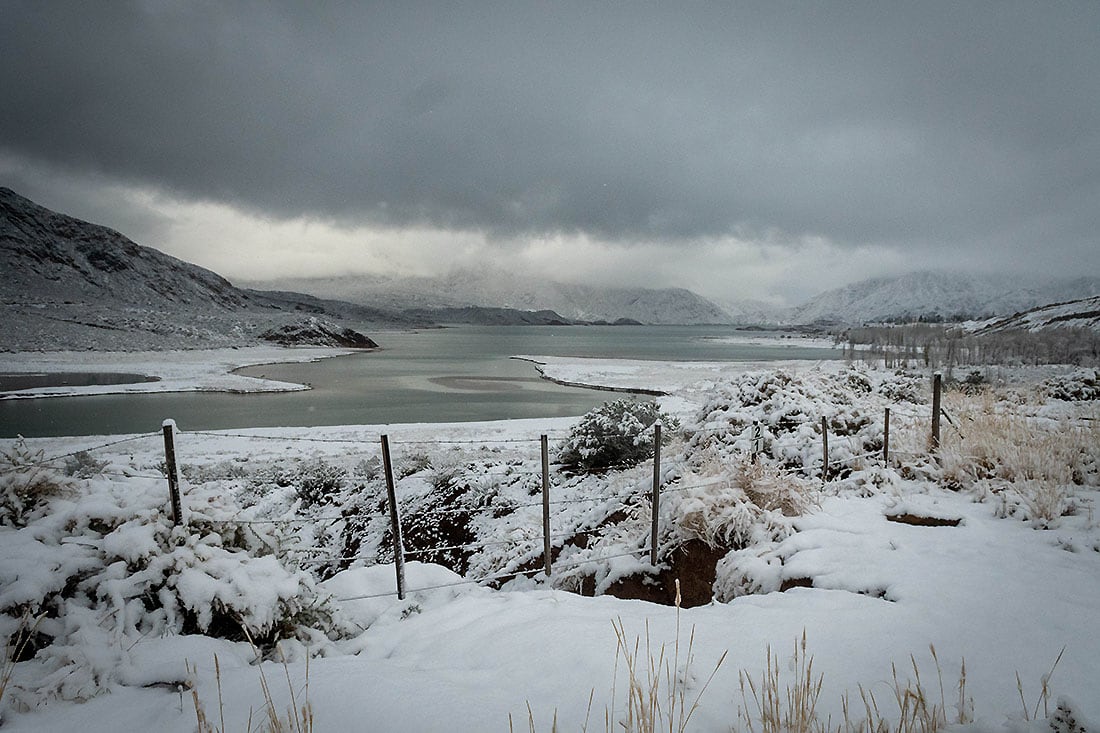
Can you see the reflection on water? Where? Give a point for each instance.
(444, 375)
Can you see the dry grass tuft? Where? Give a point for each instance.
(792, 708)
(657, 684)
(1035, 464)
(783, 710)
(772, 488)
(298, 717)
(657, 696)
(14, 650)
(917, 708)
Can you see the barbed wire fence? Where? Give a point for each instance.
(535, 545)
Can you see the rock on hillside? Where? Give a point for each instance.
(315, 332)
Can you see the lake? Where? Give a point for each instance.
(456, 374)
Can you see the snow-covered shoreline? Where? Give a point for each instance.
(192, 370)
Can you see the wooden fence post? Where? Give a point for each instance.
(545, 504)
(937, 390)
(395, 520)
(886, 438)
(824, 449)
(169, 428)
(655, 500)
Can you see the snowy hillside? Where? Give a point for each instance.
(939, 295)
(1083, 313)
(72, 284)
(499, 289)
(52, 258)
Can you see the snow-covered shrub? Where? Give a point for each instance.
(107, 568)
(905, 387)
(615, 435)
(776, 416)
(1078, 386)
(1045, 501)
(369, 468)
(723, 516)
(411, 463)
(748, 571)
(318, 482)
(83, 464)
(973, 383)
(26, 483)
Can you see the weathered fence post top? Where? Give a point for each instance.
(168, 427)
(395, 519)
(655, 499)
(937, 394)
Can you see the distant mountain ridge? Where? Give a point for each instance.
(494, 288)
(939, 295)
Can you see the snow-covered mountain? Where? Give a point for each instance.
(70, 284)
(936, 295)
(495, 288)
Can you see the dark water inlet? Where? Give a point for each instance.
(12, 382)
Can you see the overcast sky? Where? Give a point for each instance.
(744, 150)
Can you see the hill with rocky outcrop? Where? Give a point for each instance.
(71, 284)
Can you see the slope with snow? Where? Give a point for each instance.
(1082, 313)
(71, 284)
(939, 295)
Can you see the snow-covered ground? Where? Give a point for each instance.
(1007, 589)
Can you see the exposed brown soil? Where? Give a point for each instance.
(918, 521)
(789, 583)
(692, 563)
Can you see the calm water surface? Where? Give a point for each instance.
(442, 375)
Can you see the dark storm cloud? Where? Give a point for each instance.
(896, 123)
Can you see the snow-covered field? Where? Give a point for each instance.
(288, 537)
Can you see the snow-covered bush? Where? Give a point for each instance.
(26, 483)
(83, 464)
(412, 463)
(319, 482)
(1078, 386)
(107, 568)
(615, 435)
(723, 516)
(776, 416)
(905, 387)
